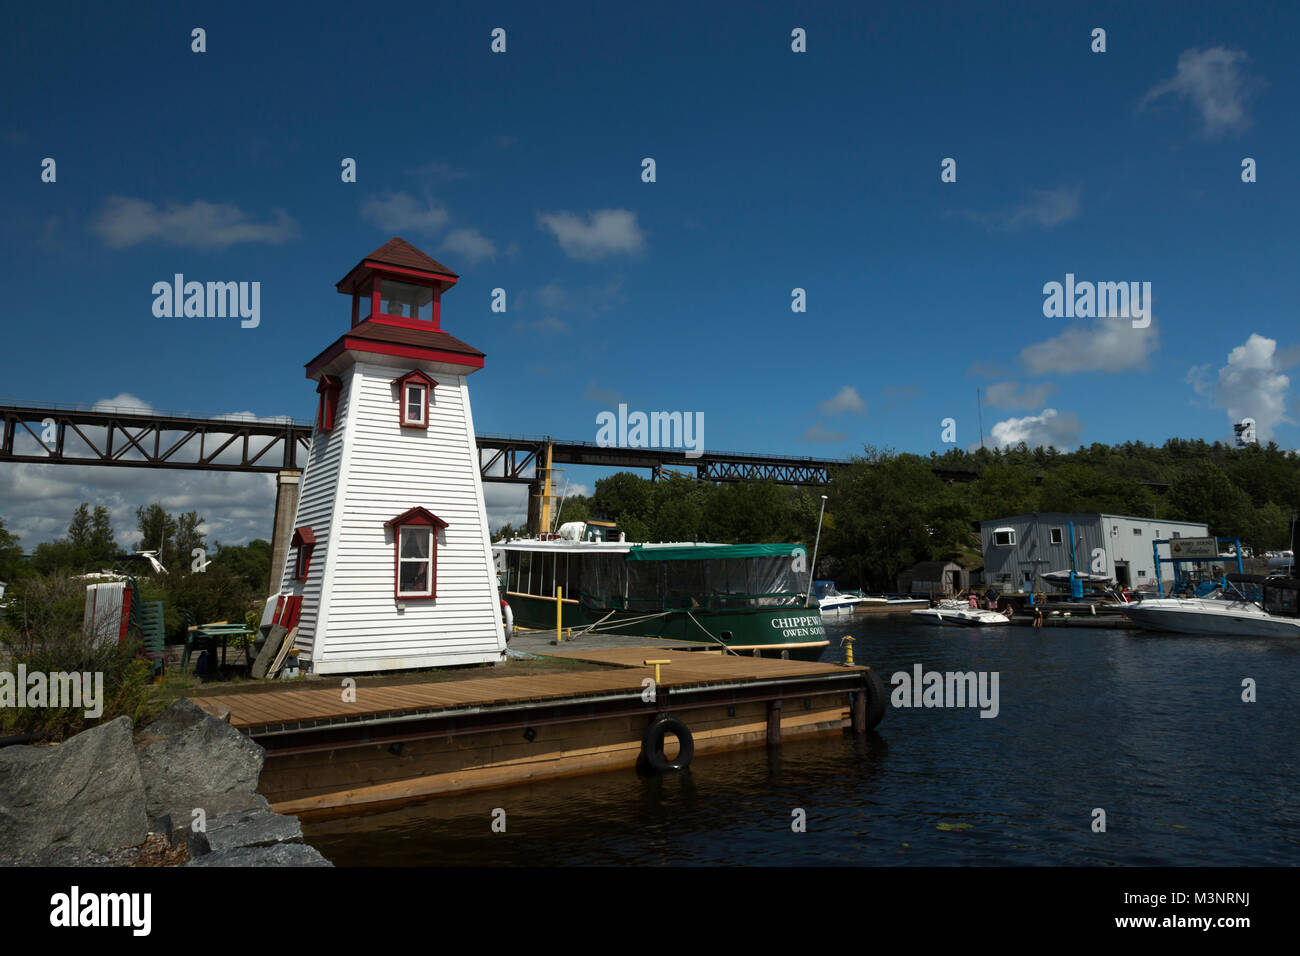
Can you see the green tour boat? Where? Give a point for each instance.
(751, 598)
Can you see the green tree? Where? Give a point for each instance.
(102, 545)
(1088, 489)
(188, 539)
(157, 533)
(1203, 492)
(11, 555)
(628, 500)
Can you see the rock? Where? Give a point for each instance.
(87, 792)
(282, 854)
(66, 854)
(249, 828)
(190, 759)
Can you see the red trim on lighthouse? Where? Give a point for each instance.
(304, 539)
(414, 379)
(416, 517)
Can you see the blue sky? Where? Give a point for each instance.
(775, 170)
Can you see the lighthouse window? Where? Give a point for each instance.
(406, 301)
(415, 562)
(304, 542)
(416, 404)
(415, 541)
(327, 408)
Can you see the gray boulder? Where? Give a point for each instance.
(85, 792)
(247, 828)
(282, 854)
(190, 759)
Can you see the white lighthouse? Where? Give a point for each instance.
(390, 565)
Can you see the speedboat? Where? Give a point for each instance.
(834, 602)
(959, 613)
(1224, 611)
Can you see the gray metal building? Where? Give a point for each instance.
(1020, 548)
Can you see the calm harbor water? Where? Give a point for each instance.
(1149, 728)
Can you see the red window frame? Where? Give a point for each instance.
(415, 518)
(414, 377)
(327, 406)
(304, 540)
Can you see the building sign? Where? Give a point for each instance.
(1189, 548)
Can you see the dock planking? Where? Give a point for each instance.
(623, 672)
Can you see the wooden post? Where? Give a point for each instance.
(559, 614)
(859, 707)
(773, 722)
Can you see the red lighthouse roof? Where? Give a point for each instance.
(396, 310)
(399, 253)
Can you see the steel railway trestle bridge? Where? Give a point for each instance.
(137, 438)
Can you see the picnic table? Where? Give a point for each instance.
(212, 634)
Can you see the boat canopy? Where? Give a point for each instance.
(711, 552)
(713, 576)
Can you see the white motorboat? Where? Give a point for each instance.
(834, 602)
(959, 613)
(1225, 612)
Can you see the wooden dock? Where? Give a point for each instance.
(391, 744)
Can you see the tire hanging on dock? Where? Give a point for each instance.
(652, 745)
(877, 697)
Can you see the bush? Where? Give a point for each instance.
(42, 629)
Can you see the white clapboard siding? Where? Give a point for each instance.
(316, 496)
(373, 471)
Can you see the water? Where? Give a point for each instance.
(1150, 728)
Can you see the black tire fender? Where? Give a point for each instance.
(877, 697)
(652, 745)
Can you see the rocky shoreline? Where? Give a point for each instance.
(183, 791)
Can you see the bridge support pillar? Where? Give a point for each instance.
(535, 493)
(286, 506)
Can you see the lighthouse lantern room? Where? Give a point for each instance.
(390, 564)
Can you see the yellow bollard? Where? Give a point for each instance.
(559, 615)
(656, 664)
(847, 644)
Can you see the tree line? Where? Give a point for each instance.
(886, 511)
(91, 545)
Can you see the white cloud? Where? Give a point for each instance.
(201, 225)
(470, 245)
(846, 399)
(1213, 82)
(37, 501)
(1251, 385)
(402, 212)
(1046, 429)
(1010, 395)
(602, 233)
(506, 504)
(1094, 345)
(121, 402)
(1044, 209)
(820, 433)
